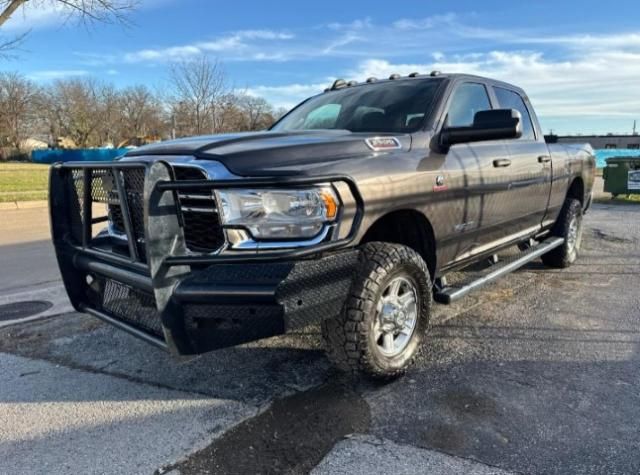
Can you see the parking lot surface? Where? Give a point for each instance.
(538, 373)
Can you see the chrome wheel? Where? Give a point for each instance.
(396, 316)
(574, 234)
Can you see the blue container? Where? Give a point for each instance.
(603, 154)
(77, 155)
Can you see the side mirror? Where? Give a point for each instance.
(493, 124)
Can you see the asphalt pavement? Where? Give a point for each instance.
(536, 374)
(26, 253)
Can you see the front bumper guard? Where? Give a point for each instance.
(201, 302)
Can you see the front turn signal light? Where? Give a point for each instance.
(330, 204)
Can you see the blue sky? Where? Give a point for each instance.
(579, 61)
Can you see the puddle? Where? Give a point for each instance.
(598, 233)
(292, 436)
(20, 310)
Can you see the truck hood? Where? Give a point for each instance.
(273, 153)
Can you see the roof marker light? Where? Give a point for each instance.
(338, 84)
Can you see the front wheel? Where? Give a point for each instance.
(386, 315)
(569, 227)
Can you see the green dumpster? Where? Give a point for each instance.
(622, 176)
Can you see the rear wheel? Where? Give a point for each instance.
(569, 227)
(386, 316)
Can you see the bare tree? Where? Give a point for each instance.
(257, 112)
(110, 105)
(84, 112)
(226, 114)
(85, 11)
(197, 86)
(141, 113)
(75, 111)
(18, 99)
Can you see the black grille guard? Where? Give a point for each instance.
(160, 185)
(166, 261)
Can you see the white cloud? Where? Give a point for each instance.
(264, 35)
(425, 23)
(50, 74)
(335, 46)
(247, 41)
(572, 80)
(596, 84)
(359, 24)
(619, 40)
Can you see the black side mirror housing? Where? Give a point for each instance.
(496, 124)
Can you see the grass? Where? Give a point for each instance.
(23, 181)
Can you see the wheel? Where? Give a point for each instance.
(386, 315)
(569, 227)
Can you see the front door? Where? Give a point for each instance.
(482, 171)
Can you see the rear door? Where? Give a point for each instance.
(530, 167)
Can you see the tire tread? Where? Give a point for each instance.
(346, 336)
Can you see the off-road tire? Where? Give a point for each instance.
(349, 337)
(565, 255)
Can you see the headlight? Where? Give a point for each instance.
(277, 213)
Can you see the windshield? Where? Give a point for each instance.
(397, 107)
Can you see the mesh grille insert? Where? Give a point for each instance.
(103, 189)
(132, 306)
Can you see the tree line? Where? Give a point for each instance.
(86, 112)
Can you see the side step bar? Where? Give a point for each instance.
(449, 295)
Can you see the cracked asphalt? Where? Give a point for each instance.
(538, 373)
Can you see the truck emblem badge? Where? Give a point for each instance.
(439, 180)
(383, 143)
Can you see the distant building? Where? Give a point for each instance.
(604, 141)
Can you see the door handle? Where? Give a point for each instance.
(501, 162)
(544, 159)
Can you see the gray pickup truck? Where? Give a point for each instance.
(350, 211)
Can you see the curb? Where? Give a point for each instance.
(9, 205)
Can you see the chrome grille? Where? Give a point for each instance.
(202, 229)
